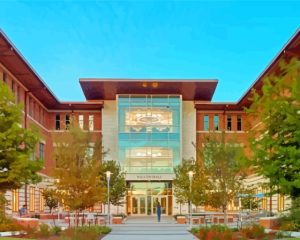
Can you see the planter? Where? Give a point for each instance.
(269, 222)
(12, 233)
(181, 220)
(117, 220)
(28, 222)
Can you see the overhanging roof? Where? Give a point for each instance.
(290, 49)
(108, 88)
(13, 60)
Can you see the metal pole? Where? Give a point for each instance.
(190, 202)
(108, 204)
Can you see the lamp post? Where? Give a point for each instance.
(191, 173)
(108, 173)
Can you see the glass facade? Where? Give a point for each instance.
(149, 133)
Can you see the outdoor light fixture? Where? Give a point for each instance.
(191, 174)
(108, 173)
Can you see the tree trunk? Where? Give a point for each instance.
(180, 208)
(82, 222)
(225, 215)
(69, 219)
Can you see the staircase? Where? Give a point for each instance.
(148, 228)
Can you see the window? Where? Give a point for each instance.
(41, 115)
(91, 122)
(280, 202)
(57, 121)
(30, 107)
(12, 86)
(42, 151)
(81, 121)
(32, 199)
(67, 121)
(216, 122)
(206, 123)
(239, 122)
(4, 77)
(42, 200)
(264, 203)
(18, 97)
(15, 200)
(32, 156)
(229, 121)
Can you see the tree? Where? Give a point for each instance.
(118, 188)
(276, 143)
(249, 199)
(181, 183)
(16, 145)
(50, 197)
(78, 184)
(224, 165)
(51, 201)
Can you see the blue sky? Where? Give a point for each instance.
(232, 41)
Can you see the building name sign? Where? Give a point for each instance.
(149, 177)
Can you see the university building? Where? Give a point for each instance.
(147, 125)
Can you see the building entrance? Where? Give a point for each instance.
(142, 198)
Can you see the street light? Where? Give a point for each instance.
(108, 173)
(191, 173)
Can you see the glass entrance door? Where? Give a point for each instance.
(163, 203)
(138, 204)
(142, 205)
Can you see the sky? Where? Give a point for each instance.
(232, 41)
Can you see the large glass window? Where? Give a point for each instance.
(42, 151)
(206, 123)
(57, 121)
(91, 122)
(81, 121)
(229, 122)
(15, 200)
(42, 200)
(67, 122)
(216, 122)
(239, 122)
(149, 133)
(32, 199)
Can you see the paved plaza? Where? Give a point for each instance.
(147, 228)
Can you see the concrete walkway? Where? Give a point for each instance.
(148, 228)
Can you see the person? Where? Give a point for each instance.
(158, 211)
(23, 210)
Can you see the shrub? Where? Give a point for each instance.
(8, 224)
(44, 231)
(55, 230)
(85, 232)
(254, 231)
(215, 232)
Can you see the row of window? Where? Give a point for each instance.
(34, 109)
(32, 200)
(216, 123)
(68, 121)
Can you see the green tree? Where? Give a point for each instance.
(248, 198)
(51, 200)
(118, 188)
(78, 184)
(181, 183)
(224, 165)
(16, 145)
(276, 142)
